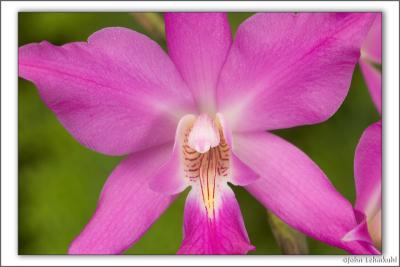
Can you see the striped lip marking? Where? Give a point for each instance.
(206, 157)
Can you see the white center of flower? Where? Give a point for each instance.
(206, 156)
(204, 134)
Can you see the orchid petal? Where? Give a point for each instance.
(241, 174)
(373, 79)
(225, 129)
(169, 179)
(127, 206)
(198, 44)
(294, 188)
(372, 46)
(368, 231)
(368, 170)
(285, 70)
(360, 232)
(223, 234)
(116, 94)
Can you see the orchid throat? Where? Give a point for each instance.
(206, 158)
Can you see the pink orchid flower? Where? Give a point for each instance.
(368, 155)
(371, 53)
(368, 178)
(197, 118)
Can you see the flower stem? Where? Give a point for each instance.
(152, 22)
(289, 240)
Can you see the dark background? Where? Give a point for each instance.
(60, 180)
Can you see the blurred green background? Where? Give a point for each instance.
(60, 180)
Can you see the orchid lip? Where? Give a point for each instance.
(206, 159)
